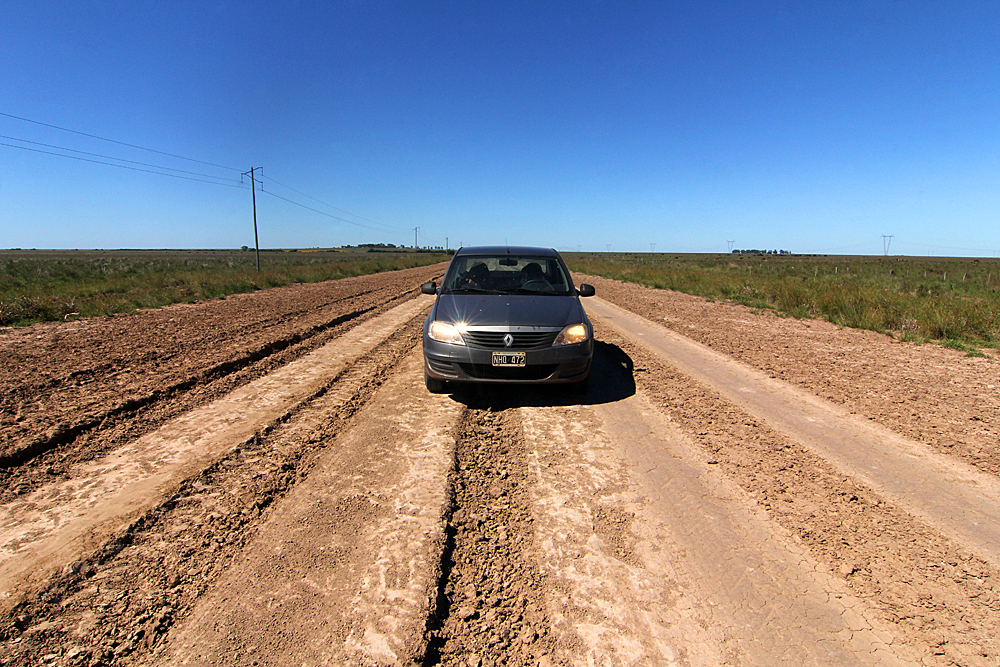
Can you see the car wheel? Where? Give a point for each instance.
(434, 385)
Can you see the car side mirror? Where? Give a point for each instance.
(429, 288)
(586, 290)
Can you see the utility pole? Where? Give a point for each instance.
(415, 229)
(446, 244)
(886, 240)
(253, 198)
(652, 247)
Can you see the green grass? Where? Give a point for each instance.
(37, 286)
(921, 299)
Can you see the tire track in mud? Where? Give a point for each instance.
(61, 434)
(490, 609)
(941, 597)
(50, 455)
(116, 606)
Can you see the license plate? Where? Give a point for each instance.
(508, 358)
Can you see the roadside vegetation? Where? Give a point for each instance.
(952, 301)
(47, 285)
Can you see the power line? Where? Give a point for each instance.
(239, 185)
(111, 157)
(114, 141)
(384, 226)
(316, 210)
(191, 177)
(122, 166)
(946, 247)
(374, 222)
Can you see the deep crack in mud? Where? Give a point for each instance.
(491, 612)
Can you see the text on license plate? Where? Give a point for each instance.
(508, 358)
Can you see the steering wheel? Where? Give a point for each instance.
(538, 285)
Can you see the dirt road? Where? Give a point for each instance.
(264, 480)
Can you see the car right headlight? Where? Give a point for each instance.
(445, 333)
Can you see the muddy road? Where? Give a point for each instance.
(263, 480)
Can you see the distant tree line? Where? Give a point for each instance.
(762, 252)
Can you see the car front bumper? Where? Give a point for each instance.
(461, 363)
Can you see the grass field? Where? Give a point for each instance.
(43, 285)
(954, 301)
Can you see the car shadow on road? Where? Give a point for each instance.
(611, 379)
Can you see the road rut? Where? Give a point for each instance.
(66, 520)
(684, 511)
(953, 497)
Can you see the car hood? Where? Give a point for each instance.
(509, 310)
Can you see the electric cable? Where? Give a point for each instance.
(111, 157)
(114, 141)
(122, 166)
(316, 210)
(375, 222)
(383, 227)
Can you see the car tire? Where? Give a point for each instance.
(434, 385)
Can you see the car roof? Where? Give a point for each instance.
(505, 250)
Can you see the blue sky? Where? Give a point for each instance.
(806, 126)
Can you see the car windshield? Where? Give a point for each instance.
(507, 274)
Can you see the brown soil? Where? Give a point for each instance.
(945, 599)
(491, 609)
(927, 392)
(72, 392)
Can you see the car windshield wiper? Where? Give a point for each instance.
(470, 290)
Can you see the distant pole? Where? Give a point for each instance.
(730, 245)
(886, 240)
(415, 229)
(253, 198)
(446, 243)
(652, 247)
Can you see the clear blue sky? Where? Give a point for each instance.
(806, 126)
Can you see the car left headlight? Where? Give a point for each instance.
(574, 333)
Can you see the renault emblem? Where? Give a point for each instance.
(508, 340)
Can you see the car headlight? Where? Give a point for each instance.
(574, 333)
(445, 333)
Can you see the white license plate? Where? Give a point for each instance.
(508, 358)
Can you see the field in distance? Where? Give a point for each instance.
(53, 285)
(954, 301)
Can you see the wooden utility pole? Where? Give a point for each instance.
(253, 198)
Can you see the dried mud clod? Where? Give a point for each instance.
(490, 611)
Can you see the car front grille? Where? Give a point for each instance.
(523, 340)
(522, 373)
